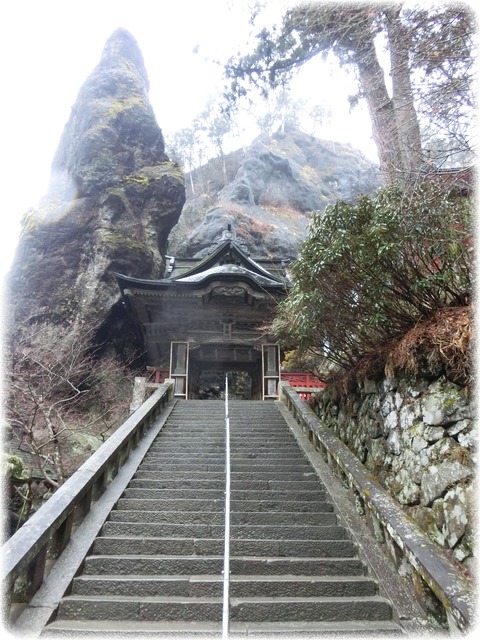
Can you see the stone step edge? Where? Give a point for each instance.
(236, 601)
(194, 539)
(158, 627)
(244, 525)
(268, 559)
(215, 577)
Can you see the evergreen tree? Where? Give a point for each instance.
(434, 45)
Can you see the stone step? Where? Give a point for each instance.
(217, 464)
(203, 425)
(238, 532)
(156, 568)
(195, 429)
(311, 609)
(265, 426)
(267, 474)
(183, 438)
(165, 529)
(278, 454)
(212, 586)
(279, 518)
(267, 464)
(148, 608)
(270, 433)
(257, 474)
(74, 629)
(159, 474)
(191, 565)
(196, 458)
(173, 517)
(215, 546)
(173, 466)
(238, 455)
(175, 484)
(199, 455)
(180, 504)
(181, 441)
(240, 485)
(257, 608)
(314, 505)
(254, 442)
(235, 494)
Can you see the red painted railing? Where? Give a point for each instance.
(304, 383)
(157, 375)
(299, 380)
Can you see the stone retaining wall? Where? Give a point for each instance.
(418, 439)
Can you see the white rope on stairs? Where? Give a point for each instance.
(226, 559)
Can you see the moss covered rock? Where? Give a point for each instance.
(113, 198)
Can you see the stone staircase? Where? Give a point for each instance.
(157, 567)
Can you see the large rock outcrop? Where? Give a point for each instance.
(113, 198)
(274, 186)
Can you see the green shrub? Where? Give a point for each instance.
(370, 270)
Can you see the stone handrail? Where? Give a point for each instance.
(48, 531)
(404, 540)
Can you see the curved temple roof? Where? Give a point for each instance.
(228, 269)
(228, 262)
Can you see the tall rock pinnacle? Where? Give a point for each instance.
(112, 129)
(113, 198)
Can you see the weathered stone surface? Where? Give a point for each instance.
(377, 451)
(407, 415)
(431, 520)
(394, 442)
(419, 443)
(273, 187)
(112, 200)
(409, 491)
(459, 426)
(468, 438)
(437, 478)
(444, 405)
(457, 506)
(391, 421)
(388, 404)
(428, 468)
(432, 434)
(388, 384)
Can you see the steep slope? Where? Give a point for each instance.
(112, 200)
(275, 185)
(156, 567)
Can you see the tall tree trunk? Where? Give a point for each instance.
(402, 95)
(224, 164)
(190, 173)
(380, 107)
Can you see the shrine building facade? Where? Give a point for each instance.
(210, 316)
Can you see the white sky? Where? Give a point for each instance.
(49, 47)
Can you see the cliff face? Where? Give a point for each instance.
(273, 188)
(113, 198)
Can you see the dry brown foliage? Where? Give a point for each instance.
(442, 343)
(444, 339)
